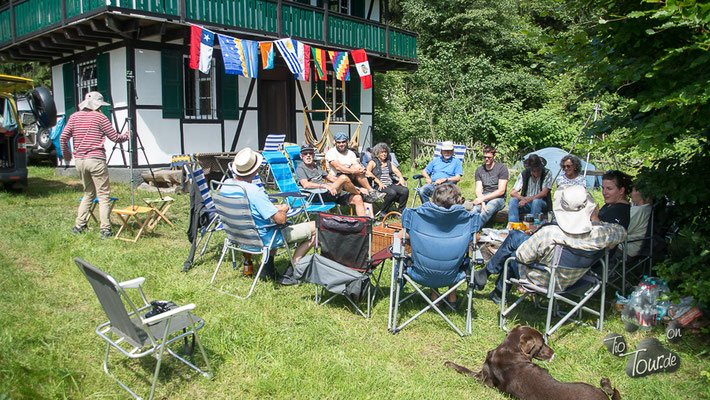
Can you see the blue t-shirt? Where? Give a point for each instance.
(262, 209)
(439, 168)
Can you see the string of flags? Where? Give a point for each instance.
(241, 57)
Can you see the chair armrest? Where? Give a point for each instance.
(132, 284)
(287, 194)
(315, 190)
(417, 176)
(168, 314)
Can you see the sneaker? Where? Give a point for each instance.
(494, 296)
(76, 230)
(287, 278)
(480, 278)
(106, 234)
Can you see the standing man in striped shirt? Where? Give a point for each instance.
(89, 127)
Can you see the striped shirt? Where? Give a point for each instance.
(89, 128)
(540, 248)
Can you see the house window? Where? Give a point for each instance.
(335, 96)
(200, 92)
(341, 6)
(86, 78)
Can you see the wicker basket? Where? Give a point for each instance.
(383, 234)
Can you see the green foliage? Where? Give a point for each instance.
(478, 79)
(40, 73)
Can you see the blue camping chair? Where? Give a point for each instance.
(286, 181)
(439, 240)
(459, 152)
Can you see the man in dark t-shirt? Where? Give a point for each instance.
(491, 184)
(340, 189)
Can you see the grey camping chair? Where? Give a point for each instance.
(134, 335)
(564, 258)
(634, 259)
(242, 234)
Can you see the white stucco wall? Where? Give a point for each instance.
(148, 78)
(118, 77)
(58, 88)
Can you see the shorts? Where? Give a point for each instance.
(297, 233)
(342, 198)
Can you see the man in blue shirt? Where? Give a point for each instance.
(245, 166)
(440, 170)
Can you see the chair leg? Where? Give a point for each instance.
(224, 250)
(160, 359)
(126, 388)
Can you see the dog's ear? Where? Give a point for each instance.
(527, 345)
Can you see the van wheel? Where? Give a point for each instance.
(43, 139)
(43, 107)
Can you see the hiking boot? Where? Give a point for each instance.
(76, 230)
(480, 278)
(106, 234)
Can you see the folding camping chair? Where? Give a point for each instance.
(280, 168)
(215, 224)
(459, 152)
(630, 261)
(95, 203)
(160, 207)
(242, 233)
(141, 216)
(344, 266)
(136, 335)
(564, 258)
(439, 240)
(273, 142)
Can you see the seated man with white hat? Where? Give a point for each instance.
(442, 169)
(574, 207)
(245, 166)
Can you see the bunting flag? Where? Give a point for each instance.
(288, 52)
(240, 56)
(304, 60)
(267, 54)
(201, 46)
(319, 63)
(362, 67)
(341, 64)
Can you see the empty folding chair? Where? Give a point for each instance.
(439, 240)
(133, 333)
(569, 261)
(459, 152)
(273, 142)
(242, 233)
(635, 257)
(342, 264)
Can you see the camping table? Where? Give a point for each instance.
(133, 212)
(160, 206)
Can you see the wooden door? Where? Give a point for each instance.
(277, 112)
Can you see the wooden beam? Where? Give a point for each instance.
(152, 30)
(93, 33)
(20, 54)
(124, 28)
(38, 49)
(47, 43)
(80, 33)
(62, 40)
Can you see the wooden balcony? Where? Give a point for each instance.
(43, 29)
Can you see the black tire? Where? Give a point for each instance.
(43, 139)
(43, 107)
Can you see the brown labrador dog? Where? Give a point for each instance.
(510, 369)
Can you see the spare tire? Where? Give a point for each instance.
(43, 107)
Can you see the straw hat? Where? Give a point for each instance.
(246, 162)
(93, 101)
(448, 145)
(573, 206)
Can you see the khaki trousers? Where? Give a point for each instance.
(93, 173)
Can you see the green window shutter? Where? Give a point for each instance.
(69, 89)
(357, 8)
(103, 80)
(229, 86)
(171, 71)
(317, 103)
(353, 88)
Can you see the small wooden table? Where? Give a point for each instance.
(125, 214)
(160, 206)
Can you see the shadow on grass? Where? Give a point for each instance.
(41, 188)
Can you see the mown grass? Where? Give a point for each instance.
(277, 344)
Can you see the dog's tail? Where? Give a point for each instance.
(461, 369)
(610, 391)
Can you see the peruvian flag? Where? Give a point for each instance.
(201, 45)
(363, 67)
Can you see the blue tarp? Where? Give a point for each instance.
(553, 156)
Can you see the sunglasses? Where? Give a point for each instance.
(567, 166)
(488, 158)
(309, 153)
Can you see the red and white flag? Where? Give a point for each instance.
(201, 46)
(363, 67)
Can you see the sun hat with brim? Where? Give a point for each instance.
(93, 101)
(246, 162)
(573, 206)
(448, 145)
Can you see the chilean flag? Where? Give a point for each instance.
(201, 45)
(363, 67)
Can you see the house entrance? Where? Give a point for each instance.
(276, 104)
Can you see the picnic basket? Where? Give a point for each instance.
(383, 234)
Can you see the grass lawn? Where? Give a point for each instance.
(277, 344)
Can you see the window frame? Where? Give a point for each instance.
(334, 88)
(85, 86)
(192, 92)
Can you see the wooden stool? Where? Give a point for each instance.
(126, 213)
(160, 206)
(111, 202)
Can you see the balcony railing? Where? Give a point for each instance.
(277, 18)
